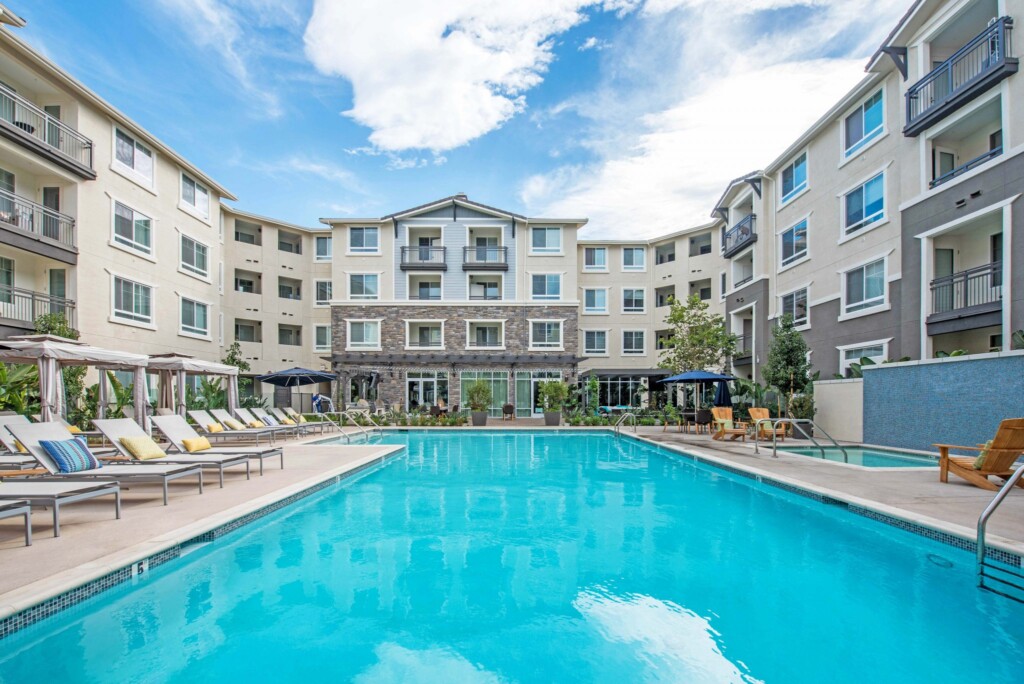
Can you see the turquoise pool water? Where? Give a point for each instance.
(541, 557)
(865, 456)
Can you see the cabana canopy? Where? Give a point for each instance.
(179, 366)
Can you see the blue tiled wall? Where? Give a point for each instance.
(956, 402)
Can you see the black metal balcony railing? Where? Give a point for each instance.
(424, 258)
(964, 168)
(36, 219)
(744, 346)
(424, 296)
(46, 129)
(484, 258)
(739, 236)
(976, 66)
(493, 297)
(980, 286)
(26, 306)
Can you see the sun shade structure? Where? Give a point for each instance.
(51, 353)
(296, 377)
(174, 368)
(698, 376)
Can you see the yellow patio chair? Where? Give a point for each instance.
(725, 426)
(995, 458)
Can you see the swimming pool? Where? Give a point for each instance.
(869, 457)
(531, 556)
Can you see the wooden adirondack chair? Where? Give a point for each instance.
(1005, 447)
(764, 430)
(723, 416)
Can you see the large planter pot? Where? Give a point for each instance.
(479, 418)
(807, 430)
(552, 418)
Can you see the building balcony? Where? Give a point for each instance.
(744, 350)
(967, 300)
(739, 236)
(35, 228)
(29, 126)
(485, 297)
(485, 258)
(423, 259)
(970, 71)
(969, 166)
(20, 308)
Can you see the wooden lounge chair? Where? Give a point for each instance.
(765, 430)
(1000, 454)
(723, 420)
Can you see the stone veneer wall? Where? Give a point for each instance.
(944, 401)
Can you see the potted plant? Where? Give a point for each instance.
(551, 396)
(802, 406)
(478, 396)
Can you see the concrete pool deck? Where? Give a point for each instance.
(94, 544)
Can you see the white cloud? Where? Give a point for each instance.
(592, 43)
(743, 91)
(436, 75)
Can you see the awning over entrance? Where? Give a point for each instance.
(439, 359)
(636, 372)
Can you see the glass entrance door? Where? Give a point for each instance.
(421, 391)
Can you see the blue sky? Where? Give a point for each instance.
(629, 112)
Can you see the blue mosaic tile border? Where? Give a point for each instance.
(74, 597)
(969, 545)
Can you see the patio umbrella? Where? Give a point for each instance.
(698, 377)
(722, 396)
(296, 377)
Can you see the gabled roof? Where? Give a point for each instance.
(9, 17)
(266, 219)
(900, 26)
(454, 200)
(753, 175)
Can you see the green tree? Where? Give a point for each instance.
(74, 376)
(234, 358)
(699, 340)
(787, 366)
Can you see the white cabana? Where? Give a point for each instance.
(173, 369)
(51, 353)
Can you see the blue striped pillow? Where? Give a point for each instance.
(70, 455)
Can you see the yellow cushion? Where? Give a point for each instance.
(726, 424)
(234, 424)
(20, 447)
(74, 429)
(215, 427)
(302, 419)
(979, 462)
(256, 424)
(287, 421)
(195, 444)
(142, 448)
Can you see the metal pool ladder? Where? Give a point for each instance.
(796, 423)
(352, 416)
(622, 419)
(1003, 575)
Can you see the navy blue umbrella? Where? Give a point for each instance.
(697, 376)
(296, 377)
(722, 396)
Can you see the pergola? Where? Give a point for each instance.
(174, 368)
(50, 353)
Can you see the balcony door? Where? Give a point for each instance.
(943, 162)
(51, 223)
(58, 288)
(52, 128)
(943, 268)
(485, 248)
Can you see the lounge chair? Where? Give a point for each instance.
(176, 429)
(30, 435)
(765, 431)
(271, 421)
(999, 455)
(725, 426)
(56, 494)
(246, 416)
(115, 429)
(303, 428)
(12, 509)
(14, 458)
(298, 418)
(227, 421)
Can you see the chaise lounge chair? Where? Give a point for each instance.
(726, 427)
(304, 428)
(176, 429)
(12, 509)
(116, 429)
(996, 458)
(230, 424)
(272, 421)
(31, 434)
(14, 458)
(247, 417)
(765, 431)
(56, 494)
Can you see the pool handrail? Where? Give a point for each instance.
(796, 423)
(997, 500)
(622, 419)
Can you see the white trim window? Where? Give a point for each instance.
(133, 229)
(634, 300)
(865, 287)
(595, 300)
(132, 156)
(195, 318)
(634, 342)
(865, 123)
(195, 196)
(363, 334)
(723, 286)
(485, 334)
(794, 178)
(195, 257)
(634, 259)
(324, 248)
(794, 243)
(133, 301)
(545, 334)
(424, 334)
(324, 290)
(595, 342)
(546, 286)
(864, 205)
(595, 259)
(363, 286)
(322, 338)
(848, 355)
(364, 240)
(795, 304)
(545, 240)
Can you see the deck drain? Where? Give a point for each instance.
(940, 561)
